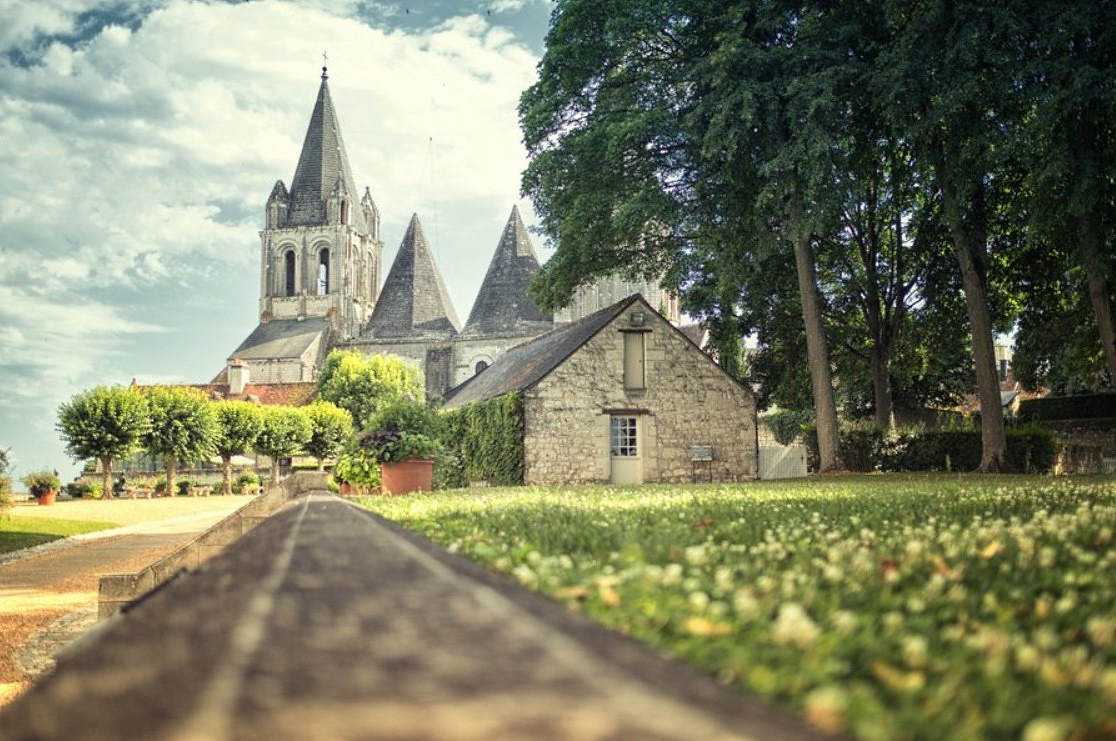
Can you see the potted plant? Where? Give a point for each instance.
(43, 485)
(403, 437)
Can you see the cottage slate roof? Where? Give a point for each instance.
(414, 301)
(322, 163)
(281, 338)
(503, 304)
(525, 365)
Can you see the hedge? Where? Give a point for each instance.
(483, 441)
(1031, 448)
(1083, 406)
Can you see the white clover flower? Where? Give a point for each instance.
(672, 574)
(1106, 684)
(698, 601)
(723, 578)
(1047, 729)
(697, 555)
(893, 620)
(744, 604)
(565, 562)
(525, 576)
(844, 621)
(717, 609)
(825, 708)
(1027, 657)
(1101, 630)
(914, 651)
(794, 626)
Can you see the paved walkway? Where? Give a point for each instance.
(48, 594)
(327, 622)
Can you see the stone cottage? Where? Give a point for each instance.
(622, 396)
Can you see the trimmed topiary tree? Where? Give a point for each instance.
(330, 426)
(104, 424)
(284, 431)
(238, 424)
(183, 427)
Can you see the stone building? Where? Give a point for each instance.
(622, 396)
(320, 272)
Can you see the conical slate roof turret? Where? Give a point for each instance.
(414, 301)
(323, 161)
(503, 304)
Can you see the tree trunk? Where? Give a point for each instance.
(106, 479)
(274, 481)
(171, 466)
(881, 384)
(226, 460)
(321, 466)
(992, 438)
(817, 352)
(1089, 245)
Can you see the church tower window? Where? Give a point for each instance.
(289, 272)
(344, 212)
(323, 272)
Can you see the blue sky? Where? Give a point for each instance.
(139, 141)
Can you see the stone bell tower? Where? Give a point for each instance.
(320, 250)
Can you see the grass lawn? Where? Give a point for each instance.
(18, 532)
(897, 606)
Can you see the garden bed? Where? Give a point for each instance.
(915, 606)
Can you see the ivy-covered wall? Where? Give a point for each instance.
(483, 442)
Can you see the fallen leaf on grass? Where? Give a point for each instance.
(897, 679)
(699, 626)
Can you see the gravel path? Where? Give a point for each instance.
(48, 593)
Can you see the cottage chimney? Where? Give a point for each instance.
(238, 376)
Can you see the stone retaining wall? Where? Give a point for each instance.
(117, 590)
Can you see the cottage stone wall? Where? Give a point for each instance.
(688, 400)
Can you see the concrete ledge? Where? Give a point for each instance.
(117, 590)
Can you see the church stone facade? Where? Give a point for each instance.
(320, 272)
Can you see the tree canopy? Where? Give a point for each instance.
(330, 426)
(238, 424)
(183, 428)
(104, 424)
(362, 384)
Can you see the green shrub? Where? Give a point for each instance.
(160, 485)
(1030, 449)
(183, 487)
(787, 425)
(83, 490)
(1081, 406)
(484, 442)
(248, 478)
(357, 466)
(332, 485)
(5, 495)
(403, 429)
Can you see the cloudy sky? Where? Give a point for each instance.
(139, 141)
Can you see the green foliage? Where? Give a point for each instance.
(926, 607)
(1084, 406)
(183, 423)
(183, 487)
(330, 426)
(865, 447)
(40, 482)
(83, 490)
(248, 478)
(484, 442)
(284, 431)
(103, 423)
(238, 424)
(357, 466)
(787, 425)
(403, 429)
(363, 384)
(5, 483)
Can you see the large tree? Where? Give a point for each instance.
(363, 384)
(284, 432)
(104, 424)
(656, 133)
(183, 427)
(238, 424)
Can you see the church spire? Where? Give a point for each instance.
(321, 164)
(503, 305)
(414, 301)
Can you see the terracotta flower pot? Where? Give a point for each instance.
(402, 477)
(47, 498)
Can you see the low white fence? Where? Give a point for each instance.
(782, 461)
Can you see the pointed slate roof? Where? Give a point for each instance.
(323, 161)
(414, 301)
(503, 304)
(525, 365)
